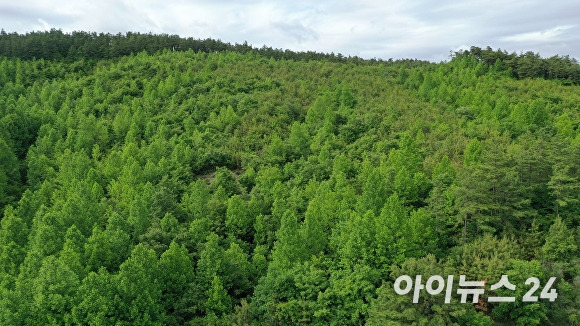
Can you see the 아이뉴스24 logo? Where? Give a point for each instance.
(437, 284)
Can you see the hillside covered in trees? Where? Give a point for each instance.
(150, 180)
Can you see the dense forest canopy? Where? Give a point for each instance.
(156, 180)
(55, 44)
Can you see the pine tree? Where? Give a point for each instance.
(489, 196)
(560, 245)
(564, 186)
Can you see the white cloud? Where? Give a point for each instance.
(43, 25)
(538, 36)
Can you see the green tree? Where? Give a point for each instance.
(239, 273)
(194, 200)
(298, 140)
(108, 248)
(489, 196)
(348, 296)
(175, 281)
(225, 179)
(441, 201)
(9, 175)
(390, 308)
(289, 246)
(54, 289)
(218, 301)
(389, 228)
(139, 290)
(72, 251)
(97, 301)
(564, 187)
(519, 312)
(239, 218)
(318, 220)
(559, 245)
(210, 264)
(354, 238)
(13, 235)
(374, 189)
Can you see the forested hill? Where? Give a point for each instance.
(198, 187)
(56, 45)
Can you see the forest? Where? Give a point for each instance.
(158, 180)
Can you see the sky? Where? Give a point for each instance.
(413, 29)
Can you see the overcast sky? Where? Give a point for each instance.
(420, 29)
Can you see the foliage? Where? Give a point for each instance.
(158, 180)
